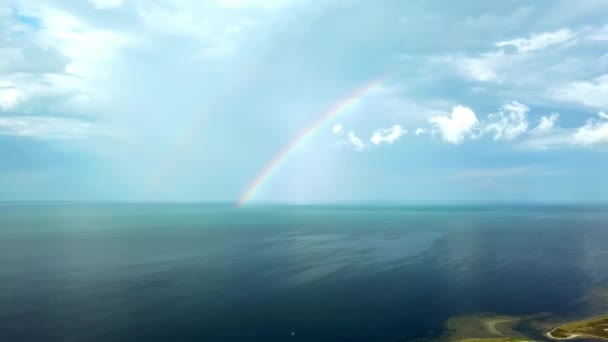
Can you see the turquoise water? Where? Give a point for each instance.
(151, 272)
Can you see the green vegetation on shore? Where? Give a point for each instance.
(492, 327)
(497, 339)
(591, 328)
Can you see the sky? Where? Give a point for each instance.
(336, 101)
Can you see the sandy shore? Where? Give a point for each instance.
(573, 336)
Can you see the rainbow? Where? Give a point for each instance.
(278, 159)
(184, 140)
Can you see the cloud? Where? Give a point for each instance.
(551, 139)
(590, 93)
(539, 41)
(509, 123)
(419, 131)
(8, 99)
(44, 127)
(481, 69)
(355, 141)
(248, 4)
(592, 133)
(62, 64)
(524, 66)
(89, 49)
(546, 135)
(546, 123)
(349, 138)
(457, 125)
(216, 25)
(387, 135)
(337, 129)
(106, 4)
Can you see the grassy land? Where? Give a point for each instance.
(498, 339)
(594, 328)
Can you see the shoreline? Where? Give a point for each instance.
(574, 336)
(571, 337)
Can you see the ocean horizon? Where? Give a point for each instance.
(146, 272)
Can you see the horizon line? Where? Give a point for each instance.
(324, 203)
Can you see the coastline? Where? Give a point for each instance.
(576, 335)
(571, 337)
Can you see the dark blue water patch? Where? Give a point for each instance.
(169, 272)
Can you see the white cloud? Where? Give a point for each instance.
(387, 135)
(419, 131)
(6, 84)
(457, 125)
(337, 129)
(75, 79)
(355, 141)
(106, 4)
(349, 138)
(177, 20)
(479, 69)
(513, 62)
(591, 133)
(8, 99)
(485, 67)
(215, 24)
(546, 123)
(89, 49)
(602, 115)
(539, 41)
(219, 27)
(509, 123)
(248, 4)
(590, 93)
(44, 127)
(555, 137)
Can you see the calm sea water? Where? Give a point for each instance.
(152, 272)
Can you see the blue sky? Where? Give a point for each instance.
(183, 100)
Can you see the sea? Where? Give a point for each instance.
(214, 272)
